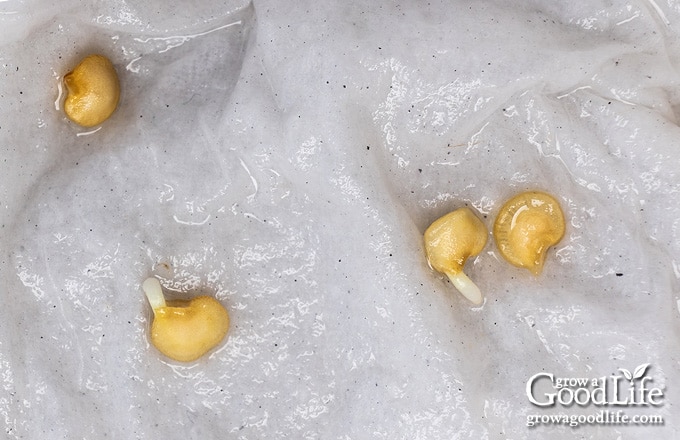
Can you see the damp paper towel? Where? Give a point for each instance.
(286, 159)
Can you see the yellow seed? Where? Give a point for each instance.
(185, 330)
(92, 91)
(450, 241)
(526, 227)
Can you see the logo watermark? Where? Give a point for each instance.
(608, 394)
(602, 417)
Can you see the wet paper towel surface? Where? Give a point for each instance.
(287, 160)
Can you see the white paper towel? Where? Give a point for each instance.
(287, 159)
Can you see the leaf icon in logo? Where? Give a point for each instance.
(626, 373)
(640, 371)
